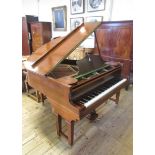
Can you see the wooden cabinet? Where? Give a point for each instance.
(26, 34)
(114, 40)
(41, 34)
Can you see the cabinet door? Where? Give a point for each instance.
(36, 32)
(41, 34)
(46, 32)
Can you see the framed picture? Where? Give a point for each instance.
(59, 18)
(77, 6)
(95, 5)
(75, 22)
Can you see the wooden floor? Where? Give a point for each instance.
(110, 134)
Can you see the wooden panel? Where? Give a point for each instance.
(26, 34)
(25, 41)
(41, 34)
(46, 32)
(53, 89)
(115, 43)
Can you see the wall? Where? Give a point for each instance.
(122, 10)
(114, 10)
(45, 13)
(30, 7)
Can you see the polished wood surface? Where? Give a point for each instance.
(114, 41)
(26, 34)
(59, 94)
(47, 74)
(41, 33)
(60, 51)
(25, 38)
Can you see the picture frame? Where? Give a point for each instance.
(59, 15)
(76, 6)
(75, 22)
(95, 5)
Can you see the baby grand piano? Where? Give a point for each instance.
(74, 88)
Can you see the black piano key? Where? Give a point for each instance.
(89, 97)
(92, 95)
(82, 102)
(96, 93)
(103, 88)
(86, 100)
(99, 91)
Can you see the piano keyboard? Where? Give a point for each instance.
(98, 93)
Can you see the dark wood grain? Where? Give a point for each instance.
(41, 34)
(25, 39)
(115, 40)
(26, 34)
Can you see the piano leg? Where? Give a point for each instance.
(70, 128)
(117, 97)
(116, 100)
(26, 86)
(42, 98)
(58, 125)
(127, 87)
(37, 96)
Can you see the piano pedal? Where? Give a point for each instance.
(92, 116)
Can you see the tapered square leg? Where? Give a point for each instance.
(70, 130)
(58, 125)
(37, 96)
(42, 98)
(116, 100)
(117, 97)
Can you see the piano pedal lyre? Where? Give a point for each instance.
(92, 116)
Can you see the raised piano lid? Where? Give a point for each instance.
(46, 58)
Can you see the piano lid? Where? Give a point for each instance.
(44, 60)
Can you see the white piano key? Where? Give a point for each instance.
(95, 99)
